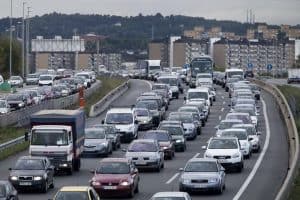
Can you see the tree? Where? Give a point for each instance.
(4, 57)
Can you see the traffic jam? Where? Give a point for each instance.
(149, 135)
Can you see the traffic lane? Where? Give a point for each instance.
(136, 87)
(280, 82)
(274, 167)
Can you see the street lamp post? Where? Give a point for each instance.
(10, 40)
(23, 40)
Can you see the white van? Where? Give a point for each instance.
(46, 79)
(199, 93)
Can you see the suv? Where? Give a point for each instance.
(124, 119)
(227, 150)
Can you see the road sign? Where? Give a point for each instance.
(269, 67)
(250, 65)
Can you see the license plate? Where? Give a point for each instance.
(140, 163)
(200, 186)
(222, 160)
(25, 183)
(109, 187)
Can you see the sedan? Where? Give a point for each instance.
(96, 142)
(16, 81)
(111, 133)
(146, 153)
(171, 196)
(165, 141)
(202, 174)
(7, 191)
(144, 118)
(76, 192)
(32, 172)
(177, 134)
(115, 177)
(16, 101)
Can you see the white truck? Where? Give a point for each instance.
(293, 76)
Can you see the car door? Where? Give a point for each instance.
(134, 174)
(222, 172)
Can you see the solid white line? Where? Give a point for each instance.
(220, 117)
(222, 97)
(261, 156)
(149, 83)
(224, 102)
(222, 109)
(172, 178)
(196, 155)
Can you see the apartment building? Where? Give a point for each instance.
(159, 50)
(256, 53)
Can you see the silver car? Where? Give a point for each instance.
(202, 174)
(96, 142)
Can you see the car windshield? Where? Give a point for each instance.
(29, 164)
(197, 95)
(98, 133)
(239, 135)
(181, 117)
(2, 104)
(158, 87)
(72, 195)
(32, 76)
(45, 78)
(141, 113)
(225, 125)
(113, 168)
(168, 198)
(203, 76)
(2, 190)
(151, 105)
(15, 78)
(142, 147)
(161, 137)
(201, 167)
(186, 109)
(245, 110)
(170, 81)
(119, 118)
(240, 117)
(15, 97)
(172, 130)
(223, 144)
(49, 137)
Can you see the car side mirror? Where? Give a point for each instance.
(92, 171)
(181, 169)
(102, 121)
(258, 133)
(222, 169)
(203, 147)
(10, 169)
(136, 121)
(184, 98)
(124, 150)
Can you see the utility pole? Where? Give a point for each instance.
(23, 41)
(10, 39)
(27, 39)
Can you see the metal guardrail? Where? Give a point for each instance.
(293, 138)
(11, 143)
(106, 101)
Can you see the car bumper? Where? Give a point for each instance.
(126, 136)
(112, 191)
(94, 151)
(28, 184)
(197, 187)
(147, 165)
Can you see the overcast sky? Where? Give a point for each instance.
(270, 11)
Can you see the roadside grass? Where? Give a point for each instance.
(292, 94)
(108, 84)
(219, 68)
(13, 150)
(9, 133)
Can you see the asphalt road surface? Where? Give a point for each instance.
(260, 179)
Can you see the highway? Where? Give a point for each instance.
(261, 178)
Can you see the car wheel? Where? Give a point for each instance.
(52, 184)
(45, 187)
(137, 188)
(163, 165)
(131, 193)
(158, 168)
(220, 190)
(70, 170)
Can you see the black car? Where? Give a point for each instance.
(112, 133)
(16, 101)
(32, 173)
(7, 191)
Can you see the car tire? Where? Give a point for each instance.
(52, 184)
(131, 193)
(220, 190)
(177, 96)
(45, 187)
(70, 170)
(137, 190)
(162, 165)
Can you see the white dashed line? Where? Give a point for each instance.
(172, 178)
(222, 109)
(220, 117)
(222, 97)
(261, 156)
(224, 102)
(196, 155)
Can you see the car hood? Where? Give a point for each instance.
(221, 152)
(14, 101)
(3, 110)
(188, 125)
(123, 127)
(204, 80)
(199, 175)
(138, 154)
(27, 173)
(164, 144)
(143, 118)
(94, 141)
(111, 177)
(174, 88)
(177, 137)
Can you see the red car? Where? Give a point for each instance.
(115, 177)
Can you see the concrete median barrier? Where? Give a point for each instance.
(292, 136)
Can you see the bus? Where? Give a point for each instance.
(202, 64)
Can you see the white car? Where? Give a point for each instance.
(171, 195)
(125, 120)
(227, 151)
(87, 77)
(199, 93)
(254, 136)
(16, 81)
(204, 80)
(247, 108)
(46, 79)
(226, 124)
(146, 153)
(242, 135)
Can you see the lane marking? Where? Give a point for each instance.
(222, 109)
(149, 84)
(196, 155)
(220, 117)
(224, 102)
(222, 97)
(261, 156)
(172, 178)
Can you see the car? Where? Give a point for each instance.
(199, 93)
(242, 135)
(171, 196)
(96, 142)
(71, 83)
(4, 106)
(227, 150)
(225, 124)
(162, 106)
(16, 81)
(202, 107)
(46, 79)
(32, 79)
(32, 172)
(162, 86)
(189, 124)
(76, 192)
(7, 191)
(125, 120)
(253, 135)
(164, 94)
(87, 78)
(16, 101)
(144, 118)
(256, 91)
(194, 109)
(247, 108)
(164, 140)
(115, 177)
(202, 174)
(112, 134)
(145, 153)
(177, 133)
(153, 108)
(245, 117)
(36, 98)
(174, 83)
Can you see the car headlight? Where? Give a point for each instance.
(178, 141)
(13, 178)
(185, 181)
(213, 180)
(37, 178)
(207, 155)
(96, 183)
(21, 104)
(164, 148)
(124, 183)
(236, 155)
(104, 143)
